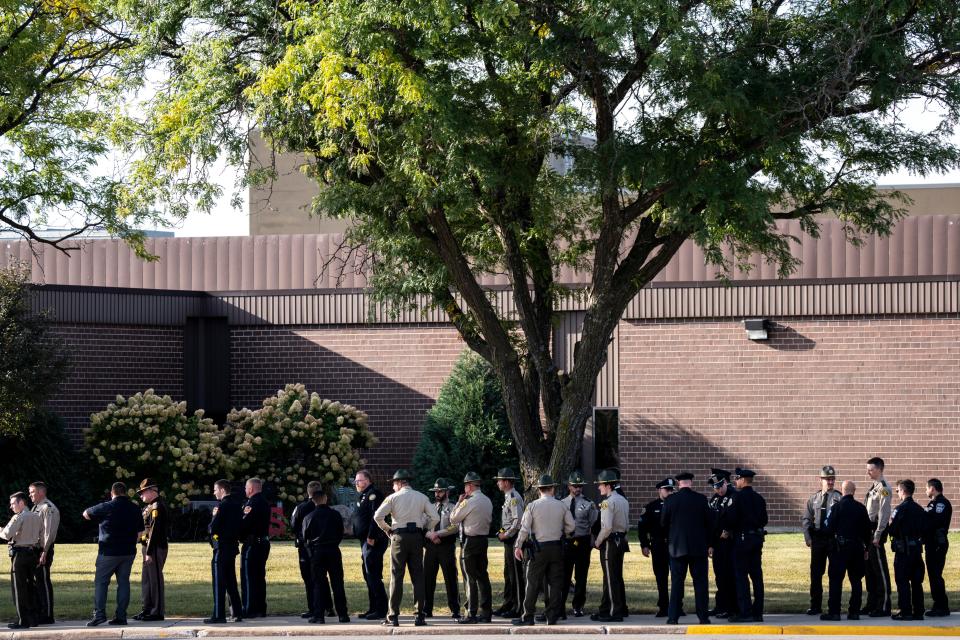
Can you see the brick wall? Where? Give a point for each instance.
(699, 394)
(108, 360)
(394, 373)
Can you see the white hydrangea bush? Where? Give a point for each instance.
(296, 437)
(147, 435)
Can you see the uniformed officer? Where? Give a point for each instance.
(255, 529)
(411, 515)
(576, 562)
(440, 553)
(473, 516)
(878, 502)
(373, 544)
(939, 514)
(153, 541)
(688, 521)
(50, 516)
(612, 543)
(510, 515)
(545, 523)
(224, 531)
(653, 542)
(22, 535)
(816, 537)
(848, 524)
(725, 603)
(322, 533)
(907, 531)
(300, 513)
(745, 524)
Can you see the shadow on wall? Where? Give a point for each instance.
(786, 338)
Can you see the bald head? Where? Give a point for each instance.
(849, 487)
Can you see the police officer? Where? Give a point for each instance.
(907, 530)
(373, 544)
(153, 540)
(745, 524)
(322, 533)
(848, 526)
(939, 514)
(689, 522)
(878, 503)
(545, 523)
(473, 516)
(50, 516)
(440, 553)
(22, 535)
(612, 543)
(815, 536)
(300, 513)
(576, 559)
(725, 604)
(411, 515)
(255, 529)
(510, 515)
(224, 531)
(653, 542)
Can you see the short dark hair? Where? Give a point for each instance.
(313, 484)
(39, 484)
(907, 486)
(936, 484)
(118, 489)
(365, 474)
(317, 491)
(877, 462)
(20, 496)
(223, 484)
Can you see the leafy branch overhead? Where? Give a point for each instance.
(432, 126)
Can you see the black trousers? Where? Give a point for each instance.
(24, 586)
(576, 566)
(326, 566)
(544, 572)
(908, 571)
(513, 580)
(748, 569)
(253, 577)
(613, 600)
(44, 598)
(724, 577)
(151, 582)
(473, 565)
(223, 567)
(878, 578)
(306, 574)
(936, 559)
(846, 560)
(701, 587)
(661, 571)
(372, 568)
(436, 558)
(819, 553)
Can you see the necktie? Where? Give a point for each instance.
(823, 509)
(439, 516)
(573, 506)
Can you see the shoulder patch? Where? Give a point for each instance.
(372, 497)
(885, 492)
(941, 507)
(513, 502)
(216, 510)
(604, 505)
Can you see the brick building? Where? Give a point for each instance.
(862, 356)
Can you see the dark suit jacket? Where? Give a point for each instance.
(688, 520)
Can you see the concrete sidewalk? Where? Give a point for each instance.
(774, 625)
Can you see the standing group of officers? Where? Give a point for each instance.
(547, 547)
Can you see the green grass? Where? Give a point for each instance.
(786, 562)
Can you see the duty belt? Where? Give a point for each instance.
(256, 539)
(551, 543)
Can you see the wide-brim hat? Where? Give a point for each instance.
(505, 474)
(402, 474)
(148, 483)
(472, 477)
(607, 476)
(546, 480)
(576, 479)
(828, 472)
(442, 484)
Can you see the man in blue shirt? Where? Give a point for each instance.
(120, 525)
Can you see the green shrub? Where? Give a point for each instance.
(466, 430)
(147, 435)
(296, 437)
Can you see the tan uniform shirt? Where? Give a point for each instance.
(50, 517)
(584, 514)
(406, 506)
(614, 516)
(511, 513)
(23, 530)
(879, 499)
(811, 515)
(473, 514)
(444, 511)
(546, 519)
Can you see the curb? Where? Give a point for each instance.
(820, 630)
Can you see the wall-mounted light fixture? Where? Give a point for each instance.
(756, 328)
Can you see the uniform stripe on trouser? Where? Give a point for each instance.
(881, 561)
(16, 593)
(526, 577)
(217, 611)
(246, 580)
(516, 576)
(609, 574)
(48, 588)
(471, 597)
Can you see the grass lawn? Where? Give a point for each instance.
(785, 564)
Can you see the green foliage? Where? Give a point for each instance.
(296, 437)
(31, 360)
(147, 435)
(44, 453)
(466, 430)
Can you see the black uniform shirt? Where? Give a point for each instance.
(689, 523)
(323, 526)
(720, 504)
(364, 525)
(649, 530)
(748, 513)
(909, 521)
(256, 517)
(939, 515)
(120, 523)
(156, 520)
(226, 522)
(300, 513)
(848, 520)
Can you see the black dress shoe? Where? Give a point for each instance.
(522, 622)
(118, 622)
(661, 613)
(672, 621)
(553, 621)
(329, 613)
(722, 614)
(343, 619)
(375, 616)
(419, 620)
(316, 620)
(578, 613)
(853, 616)
(468, 620)
(214, 621)
(235, 619)
(306, 614)
(901, 616)
(703, 621)
(594, 616)
(152, 618)
(830, 616)
(391, 621)
(814, 611)
(758, 618)
(540, 617)
(140, 615)
(17, 625)
(428, 614)
(484, 619)
(455, 615)
(932, 613)
(508, 614)
(609, 618)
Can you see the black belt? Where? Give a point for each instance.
(401, 532)
(466, 537)
(551, 543)
(256, 539)
(22, 548)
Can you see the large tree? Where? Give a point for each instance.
(431, 123)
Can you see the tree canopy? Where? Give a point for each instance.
(430, 123)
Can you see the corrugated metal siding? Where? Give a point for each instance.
(565, 338)
(925, 246)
